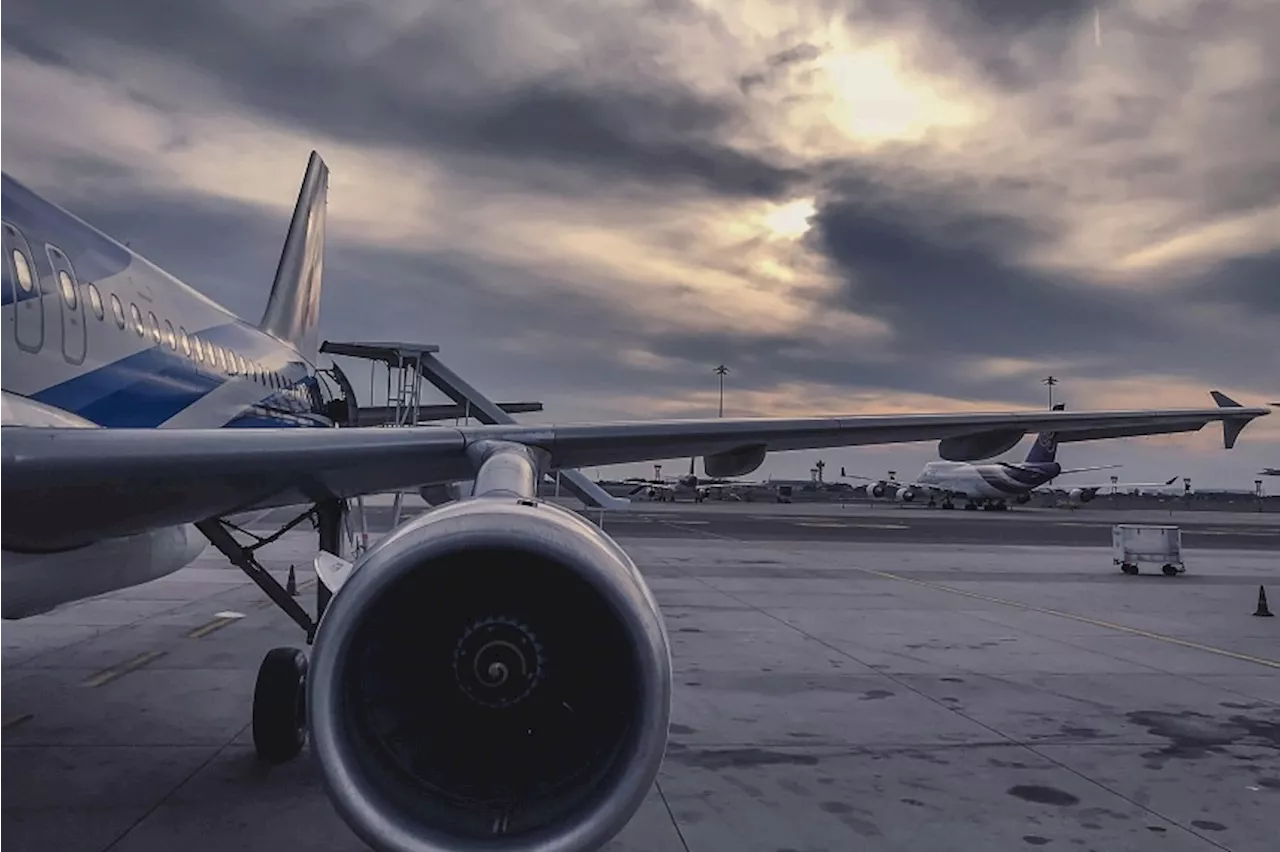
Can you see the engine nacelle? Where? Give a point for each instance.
(495, 674)
(878, 490)
(905, 495)
(1081, 495)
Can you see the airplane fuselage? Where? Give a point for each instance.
(997, 481)
(96, 332)
(95, 329)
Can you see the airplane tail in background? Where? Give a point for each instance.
(293, 309)
(1045, 449)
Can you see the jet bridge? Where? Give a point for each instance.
(407, 365)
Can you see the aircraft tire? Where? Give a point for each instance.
(279, 705)
(1170, 570)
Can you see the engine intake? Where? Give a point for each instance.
(494, 675)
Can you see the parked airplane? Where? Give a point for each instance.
(668, 489)
(991, 486)
(492, 674)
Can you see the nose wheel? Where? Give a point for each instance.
(280, 706)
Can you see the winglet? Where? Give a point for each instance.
(1231, 426)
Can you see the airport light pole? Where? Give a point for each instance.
(721, 371)
(1050, 381)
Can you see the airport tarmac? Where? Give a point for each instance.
(899, 524)
(832, 693)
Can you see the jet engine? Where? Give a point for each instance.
(1081, 495)
(878, 490)
(905, 495)
(494, 675)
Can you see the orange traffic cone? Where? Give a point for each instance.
(1262, 611)
(291, 585)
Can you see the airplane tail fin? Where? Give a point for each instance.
(1045, 449)
(293, 309)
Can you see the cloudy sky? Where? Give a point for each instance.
(888, 205)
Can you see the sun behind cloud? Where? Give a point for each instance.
(791, 220)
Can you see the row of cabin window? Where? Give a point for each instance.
(192, 346)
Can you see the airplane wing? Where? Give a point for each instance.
(68, 486)
(1119, 486)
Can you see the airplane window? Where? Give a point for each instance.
(211, 354)
(68, 289)
(184, 341)
(23, 270)
(95, 301)
(169, 337)
(237, 364)
(197, 349)
(137, 319)
(155, 325)
(117, 310)
(222, 358)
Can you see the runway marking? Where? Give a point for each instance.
(822, 524)
(117, 671)
(218, 623)
(1134, 631)
(687, 523)
(14, 721)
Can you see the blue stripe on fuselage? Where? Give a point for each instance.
(140, 391)
(146, 389)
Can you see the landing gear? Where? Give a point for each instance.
(1128, 568)
(280, 705)
(1170, 570)
(971, 506)
(279, 696)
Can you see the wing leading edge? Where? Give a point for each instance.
(66, 487)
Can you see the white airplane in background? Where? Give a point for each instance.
(494, 673)
(669, 488)
(991, 486)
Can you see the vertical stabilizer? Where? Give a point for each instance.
(293, 309)
(1045, 449)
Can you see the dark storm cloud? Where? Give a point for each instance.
(922, 277)
(984, 33)
(430, 83)
(1251, 282)
(951, 282)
